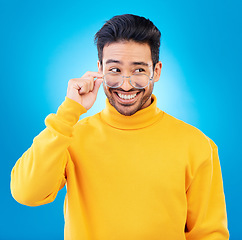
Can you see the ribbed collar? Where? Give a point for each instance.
(141, 119)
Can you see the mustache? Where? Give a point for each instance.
(130, 90)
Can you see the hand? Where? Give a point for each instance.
(84, 90)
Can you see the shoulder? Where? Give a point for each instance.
(88, 122)
(181, 128)
(189, 137)
(191, 143)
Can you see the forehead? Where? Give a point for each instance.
(127, 52)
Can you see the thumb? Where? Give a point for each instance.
(97, 85)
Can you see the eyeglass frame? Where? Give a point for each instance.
(150, 79)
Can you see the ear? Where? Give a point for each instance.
(157, 71)
(100, 67)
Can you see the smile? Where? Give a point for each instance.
(127, 96)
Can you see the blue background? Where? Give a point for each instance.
(45, 43)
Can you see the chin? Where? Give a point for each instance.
(129, 107)
(126, 111)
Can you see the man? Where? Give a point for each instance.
(132, 171)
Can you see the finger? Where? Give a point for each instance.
(87, 83)
(91, 84)
(83, 87)
(97, 85)
(93, 74)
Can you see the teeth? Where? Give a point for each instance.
(126, 96)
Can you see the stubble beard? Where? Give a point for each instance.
(128, 110)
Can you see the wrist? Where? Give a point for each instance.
(70, 111)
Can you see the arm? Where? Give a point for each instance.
(206, 215)
(39, 174)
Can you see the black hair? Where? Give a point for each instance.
(128, 27)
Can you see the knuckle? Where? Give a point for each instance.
(84, 82)
(84, 85)
(71, 81)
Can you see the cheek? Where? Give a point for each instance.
(148, 91)
(104, 87)
(107, 90)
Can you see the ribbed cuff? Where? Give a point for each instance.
(70, 111)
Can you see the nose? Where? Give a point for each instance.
(126, 83)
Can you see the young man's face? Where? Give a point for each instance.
(128, 58)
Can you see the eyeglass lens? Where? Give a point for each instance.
(115, 80)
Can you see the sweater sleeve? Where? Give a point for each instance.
(206, 216)
(39, 174)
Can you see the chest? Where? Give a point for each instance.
(145, 158)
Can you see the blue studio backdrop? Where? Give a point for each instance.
(45, 43)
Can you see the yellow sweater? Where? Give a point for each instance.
(148, 176)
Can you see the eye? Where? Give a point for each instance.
(139, 70)
(115, 70)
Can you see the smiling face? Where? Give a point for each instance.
(128, 58)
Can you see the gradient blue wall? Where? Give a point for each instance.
(46, 43)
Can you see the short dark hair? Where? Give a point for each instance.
(128, 27)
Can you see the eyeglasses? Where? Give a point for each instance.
(137, 80)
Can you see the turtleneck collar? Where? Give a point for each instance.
(141, 119)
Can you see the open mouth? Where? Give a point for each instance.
(125, 97)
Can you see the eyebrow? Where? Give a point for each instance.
(113, 61)
(120, 62)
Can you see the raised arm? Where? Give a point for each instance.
(39, 174)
